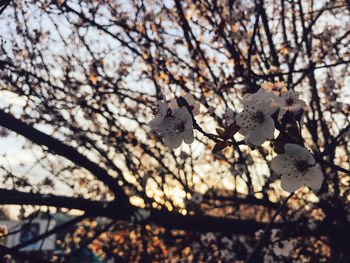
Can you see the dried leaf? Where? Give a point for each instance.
(219, 146)
(221, 132)
(231, 130)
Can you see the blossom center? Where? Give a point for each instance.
(301, 166)
(179, 127)
(258, 116)
(289, 101)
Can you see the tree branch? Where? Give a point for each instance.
(3, 5)
(164, 218)
(58, 147)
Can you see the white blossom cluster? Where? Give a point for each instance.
(297, 168)
(279, 248)
(256, 122)
(225, 253)
(175, 123)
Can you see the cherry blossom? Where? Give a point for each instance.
(161, 112)
(275, 235)
(228, 243)
(178, 128)
(208, 238)
(291, 101)
(283, 248)
(288, 99)
(227, 255)
(255, 121)
(174, 126)
(297, 168)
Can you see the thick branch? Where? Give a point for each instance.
(14, 197)
(57, 147)
(163, 218)
(170, 220)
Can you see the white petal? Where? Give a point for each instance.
(292, 149)
(189, 98)
(188, 136)
(230, 114)
(291, 183)
(262, 132)
(188, 122)
(173, 104)
(277, 250)
(299, 153)
(165, 125)
(301, 103)
(196, 109)
(172, 140)
(182, 113)
(314, 178)
(245, 122)
(281, 113)
(254, 139)
(162, 112)
(154, 124)
(230, 118)
(247, 98)
(282, 163)
(253, 102)
(159, 125)
(163, 109)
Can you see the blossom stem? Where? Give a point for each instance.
(267, 230)
(199, 128)
(332, 165)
